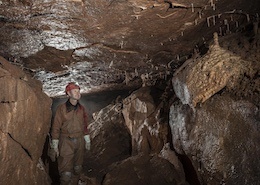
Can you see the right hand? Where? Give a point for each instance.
(54, 150)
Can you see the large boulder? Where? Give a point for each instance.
(144, 170)
(221, 138)
(25, 116)
(144, 121)
(136, 108)
(200, 78)
(111, 141)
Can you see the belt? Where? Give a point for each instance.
(72, 135)
(73, 139)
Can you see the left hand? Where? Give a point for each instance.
(87, 142)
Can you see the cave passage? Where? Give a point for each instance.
(94, 103)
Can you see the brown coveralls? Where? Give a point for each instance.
(69, 127)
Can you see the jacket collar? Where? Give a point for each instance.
(71, 107)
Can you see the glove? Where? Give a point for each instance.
(87, 142)
(54, 151)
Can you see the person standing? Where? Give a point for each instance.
(70, 136)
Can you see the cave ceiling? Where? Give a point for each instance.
(106, 44)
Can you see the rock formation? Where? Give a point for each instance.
(204, 77)
(111, 140)
(135, 120)
(136, 109)
(205, 122)
(218, 131)
(144, 170)
(221, 139)
(25, 121)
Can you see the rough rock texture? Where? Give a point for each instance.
(104, 43)
(199, 79)
(221, 138)
(168, 154)
(24, 123)
(143, 119)
(216, 121)
(111, 141)
(143, 170)
(111, 144)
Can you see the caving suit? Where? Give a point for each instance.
(69, 127)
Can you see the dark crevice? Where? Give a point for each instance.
(3, 19)
(7, 101)
(26, 151)
(189, 170)
(41, 14)
(190, 173)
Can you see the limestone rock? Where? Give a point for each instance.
(221, 139)
(143, 170)
(110, 140)
(143, 119)
(136, 108)
(24, 123)
(203, 77)
(171, 156)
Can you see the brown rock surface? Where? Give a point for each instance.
(101, 43)
(202, 77)
(144, 170)
(25, 120)
(136, 108)
(221, 138)
(111, 141)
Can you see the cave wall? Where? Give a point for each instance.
(213, 118)
(215, 121)
(24, 123)
(221, 138)
(117, 42)
(129, 139)
(103, 44)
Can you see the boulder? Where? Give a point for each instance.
(136, 108)
(110, 138)
(143, 170)
(25, 117)
(221, 138)
(200, 78)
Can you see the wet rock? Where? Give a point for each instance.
(221, 138)
(25, 120)
(171, 156)
(110, 140)
(143, 119)
(143, 170)
(199, 79)
(136, 108)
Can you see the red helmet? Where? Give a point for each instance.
(71, 86)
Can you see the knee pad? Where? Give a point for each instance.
(77, 169)
(65, 177)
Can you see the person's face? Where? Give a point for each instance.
(74, 94)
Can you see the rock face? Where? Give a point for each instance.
(221, 139)
(102, 43)
(203, 77)
(144, 122)
(218, 131)
(140, 170)
(111, 140)
(136, 108)
(110, 157)
(24, 123)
